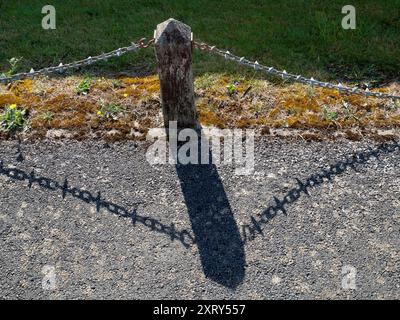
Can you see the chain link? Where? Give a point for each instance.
(73, 65)
(203, 47)
(288, 76)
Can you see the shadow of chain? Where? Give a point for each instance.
(257, 223)
(182, 236)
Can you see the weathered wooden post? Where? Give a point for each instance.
(173, 47)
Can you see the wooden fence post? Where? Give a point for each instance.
(173, 47)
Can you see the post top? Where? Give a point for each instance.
(172, 30)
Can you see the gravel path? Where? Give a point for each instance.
(91, 220)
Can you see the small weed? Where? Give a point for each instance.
(47, 116)
(83, 87)
(232, 89)
(347, 111)
(12, 119)
(117, 84)
(285, 125)
(329, 115)
(109, 111)
(14, 63)
(310, 91)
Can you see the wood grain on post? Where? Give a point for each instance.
(173, 46)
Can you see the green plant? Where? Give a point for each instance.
(310, 91)
(231, 88)
(117, 84)
(329, 115)
(14, 63)
(47, 116)
(347, 111)
(285, 125)
(12, 118)
(83, 87)
(109, 111)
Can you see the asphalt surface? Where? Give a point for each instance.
(97, 221)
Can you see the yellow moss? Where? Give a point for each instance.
(274, 112)
(57, 104)
(22, 87)
(143, 89)
(293, 122)
(72, 122)
(9, 98)
(300, 104)
(264, 106)
(209, 118)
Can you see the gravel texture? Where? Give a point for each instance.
(103, 223)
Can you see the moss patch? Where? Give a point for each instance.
(54, 106)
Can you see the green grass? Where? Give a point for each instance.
(301, 36)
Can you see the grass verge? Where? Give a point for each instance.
(304, 37)
(127, 107)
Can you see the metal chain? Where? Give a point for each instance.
(288, 76)
(203, 47)
(85, 62)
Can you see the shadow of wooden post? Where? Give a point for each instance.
(217, 235)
